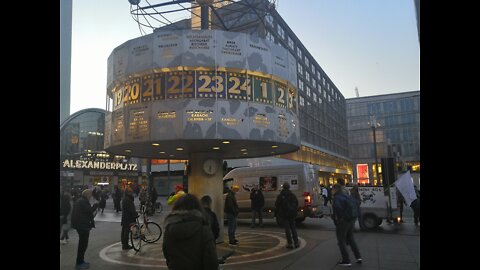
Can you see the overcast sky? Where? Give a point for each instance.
(369, 44)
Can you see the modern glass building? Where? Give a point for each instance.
(395, 119)
(83, 162)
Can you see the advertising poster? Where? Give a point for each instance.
(268, 183)
(362, 173)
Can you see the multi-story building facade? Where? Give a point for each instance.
(395, 119)
(322, 107)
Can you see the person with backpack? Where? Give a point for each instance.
(286, 206)
(345, 212)
(257, 203)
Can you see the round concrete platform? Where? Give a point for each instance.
(253, 247)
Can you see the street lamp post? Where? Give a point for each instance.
(373, 124)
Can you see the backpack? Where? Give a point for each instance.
(351, 208)
(289, 207)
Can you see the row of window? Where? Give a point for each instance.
(390, 136)
(365, 151)
(307, 62)
(326, 127)
(379, 108)
(316, 139)
(389, 121)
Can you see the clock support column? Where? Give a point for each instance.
(200, 183)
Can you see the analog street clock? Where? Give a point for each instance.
(210, 166)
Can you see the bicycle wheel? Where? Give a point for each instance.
(151, 232)
(135, 237)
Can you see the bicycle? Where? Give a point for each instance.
(149, 231)
(222, 259)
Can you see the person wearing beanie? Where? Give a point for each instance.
(286, 207)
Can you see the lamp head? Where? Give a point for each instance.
(134, 2)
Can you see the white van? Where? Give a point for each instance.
(303, 182)
(376, 206)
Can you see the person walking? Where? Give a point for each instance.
(286, 206)
(129, 215)
(103, 199)
(212, 217)
(82, 221)
(231, 212)
(325, 196)
(344, 225)
(257, 203)
(188, 242)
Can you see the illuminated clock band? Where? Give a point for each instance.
(199, 82)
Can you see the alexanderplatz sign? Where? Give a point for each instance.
(172, 93)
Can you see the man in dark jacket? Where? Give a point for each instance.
(286, 206)
(188, 241)
(344, 227)
(257, 203)
(129, 215)
(207, 205)
(82, 221)
(231, 212)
